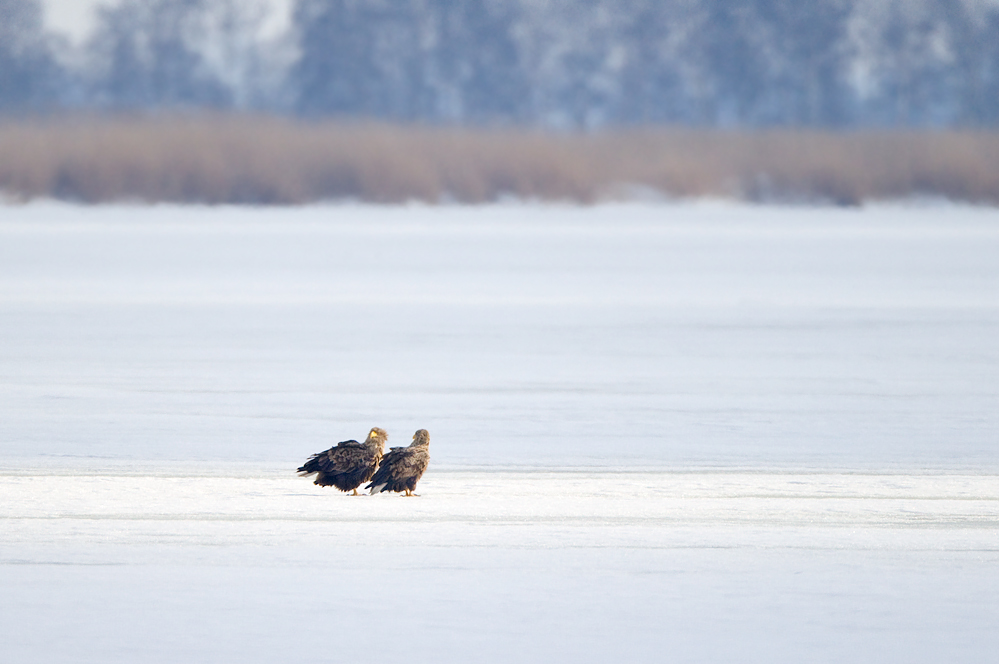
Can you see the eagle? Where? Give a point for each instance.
(348, 465)
(403, 467)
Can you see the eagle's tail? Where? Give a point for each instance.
(375, 488)
(311, 466)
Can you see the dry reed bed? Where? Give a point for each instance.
(240, 159)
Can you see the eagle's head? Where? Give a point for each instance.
(378, 437)
(421, 438)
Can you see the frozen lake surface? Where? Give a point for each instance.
(123, 564)
(673, 433)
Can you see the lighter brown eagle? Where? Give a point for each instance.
(403, 467)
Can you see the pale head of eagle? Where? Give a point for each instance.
(377, 437)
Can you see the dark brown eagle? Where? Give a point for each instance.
(403, 467)
(349, 464)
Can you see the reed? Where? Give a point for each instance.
(239, 159)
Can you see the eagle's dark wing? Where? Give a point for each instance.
(343, 458)
(322, 460)
(345, 466)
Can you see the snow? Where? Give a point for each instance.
(683, 433)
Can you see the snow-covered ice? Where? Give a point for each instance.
(669, 433)
(122, 564)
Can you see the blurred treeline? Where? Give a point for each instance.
(474, 100)
(543, 63)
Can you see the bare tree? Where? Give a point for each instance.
(29, 75)
(176, 53)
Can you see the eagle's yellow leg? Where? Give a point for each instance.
(355, 493)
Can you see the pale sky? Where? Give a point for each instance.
(75, 18)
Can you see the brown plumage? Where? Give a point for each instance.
(349, 464)
(403, 467)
